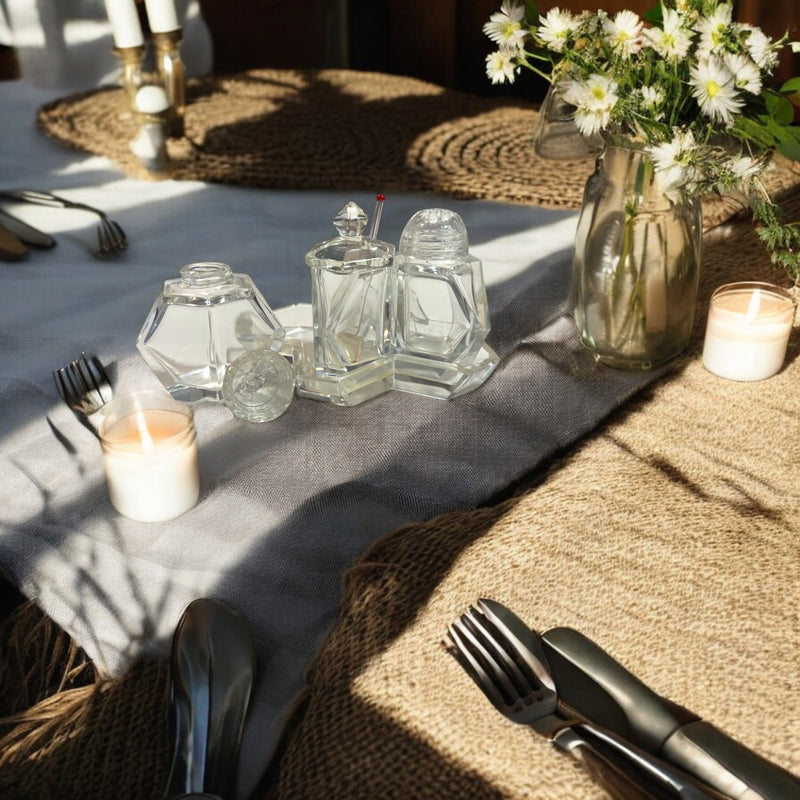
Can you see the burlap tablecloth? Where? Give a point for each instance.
(670, 536)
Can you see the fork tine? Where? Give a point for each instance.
(119, 234)
(74, 383)
(520, 676)
(502, 678)
(60, 378)
(103, 243)
(90, 378)
(465, 656)
(539, 669)
(99, 377)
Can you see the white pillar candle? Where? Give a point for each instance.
(748, 329)
(125, 26)
(150, 456)
(161, 15)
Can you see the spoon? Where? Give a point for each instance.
(211, 675)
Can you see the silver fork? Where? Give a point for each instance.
(509, 664)
(84, 386)
(110, 236)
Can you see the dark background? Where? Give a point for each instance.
(440, 41)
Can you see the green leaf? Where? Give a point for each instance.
(786, 138)
(756, 132)
(654, 16)
(790, 148)
(779, 108)
(792, 85)
(531, 12)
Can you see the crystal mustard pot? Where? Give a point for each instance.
(199, 324)
(440, 309)
(351, 280)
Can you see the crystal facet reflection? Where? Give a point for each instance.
(441, 311)
(199, 324)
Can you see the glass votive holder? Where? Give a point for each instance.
(748, 329)
(150, 456)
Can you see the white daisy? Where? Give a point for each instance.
(500, 67)
(555, 27)
(594, 99)
(746, 74)
(673, 40)
(624, 33)
(714, 88)
(672, 162)
(744, 167)
(712, 29)
(652, 96)
(761, 47)
(505, 27)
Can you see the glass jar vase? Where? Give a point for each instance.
(636, 268)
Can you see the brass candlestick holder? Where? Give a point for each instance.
(167, 46)
(131, 59)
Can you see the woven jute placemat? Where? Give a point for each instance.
(348, 130)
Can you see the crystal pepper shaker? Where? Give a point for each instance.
(199, 324)
(351, 279)
(440, 309)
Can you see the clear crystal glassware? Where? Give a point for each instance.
(258, 386)
(199, 324)
(351, 281)
(441, 313)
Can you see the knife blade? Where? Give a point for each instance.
(596, 686)
(26, 233)
(11, 248)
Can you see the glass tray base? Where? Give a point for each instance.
(348, 389)
(404, 373)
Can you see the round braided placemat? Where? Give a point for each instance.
(347, 130)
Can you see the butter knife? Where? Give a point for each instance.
(11, 248)
(599, 688)
(24, 232)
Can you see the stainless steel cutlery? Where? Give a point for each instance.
(508, 662)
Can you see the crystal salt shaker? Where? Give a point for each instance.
(199, 324)
(351, 281)
(440, 309)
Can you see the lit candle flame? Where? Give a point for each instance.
(147, 439)
(755, 304)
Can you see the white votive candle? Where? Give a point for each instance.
(748, 329)
(161, 15)
(150, 456)
(125, 26)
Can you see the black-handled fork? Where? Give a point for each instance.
(510, 666)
